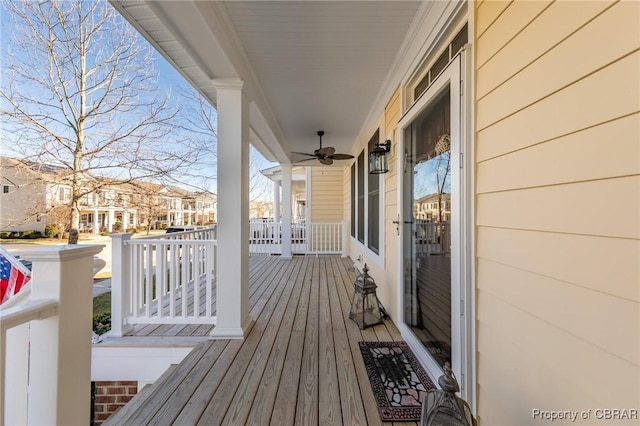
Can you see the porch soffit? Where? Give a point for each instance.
(306, 66)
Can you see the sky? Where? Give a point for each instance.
(168, 78)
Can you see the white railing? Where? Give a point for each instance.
(167, 279)
(265, 237)
(45, 352)
(327, 238)
(432, 237)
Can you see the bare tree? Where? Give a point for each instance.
(443, 169)
(148, 202)
(80, 91)
(203, 122)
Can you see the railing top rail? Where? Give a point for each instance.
(142, 241)
(173, 235)
(34, 310)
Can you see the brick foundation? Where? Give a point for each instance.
(110, 397)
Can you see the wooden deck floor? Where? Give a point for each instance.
(300, 364)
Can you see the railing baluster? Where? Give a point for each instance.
(149, 282)
(172, 280)
(195, 278)
(183, 281)
(159, 275)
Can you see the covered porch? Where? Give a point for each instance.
(299, 364)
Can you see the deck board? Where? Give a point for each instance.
(307, 408)
(273, 377)
(329, 410)
(299, 365)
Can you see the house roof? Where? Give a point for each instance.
(305, 66)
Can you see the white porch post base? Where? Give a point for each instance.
(224, 333)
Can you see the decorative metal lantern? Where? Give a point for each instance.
(365, 306)
(378, 162)
(443, 407)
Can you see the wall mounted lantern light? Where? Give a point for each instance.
(378, 162)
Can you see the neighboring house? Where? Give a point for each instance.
(34, 195)
(28, 194)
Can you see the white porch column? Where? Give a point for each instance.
(286, 211)
(60, 368)
(232, 314)
(111, 219)
(125, 221)
(96, 224)
(189, 217)
(135, 219)
(276, 201)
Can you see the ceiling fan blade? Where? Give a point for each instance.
(304, 153)
(306, 159)
(342, 156)
(327, 151)
(326, 161)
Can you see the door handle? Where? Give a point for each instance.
(397, 223)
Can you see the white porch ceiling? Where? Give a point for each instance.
(306, 66)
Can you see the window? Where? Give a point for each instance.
(5, 189)
(447, 56)
(373, 212)
(360, 193)
(64, 195)
(365, 186)
(353, 200)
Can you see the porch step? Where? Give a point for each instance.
(120, 417)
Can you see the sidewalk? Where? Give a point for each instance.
(101, 286)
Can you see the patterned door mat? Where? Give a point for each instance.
(399, 383)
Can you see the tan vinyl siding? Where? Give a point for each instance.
(346, 202)
(388, 292)
(557, 207)
(326, 194)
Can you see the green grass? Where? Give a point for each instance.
(102, 313)
(102, 304)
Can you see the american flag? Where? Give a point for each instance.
(12, 276)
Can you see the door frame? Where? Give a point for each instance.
(456, 75)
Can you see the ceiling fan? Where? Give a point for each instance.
(325, 155)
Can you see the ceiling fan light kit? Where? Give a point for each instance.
(324, 155)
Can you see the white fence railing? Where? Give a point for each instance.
(432, 237)
(166, 279)
(45, 351)
(265, 237)
(327, 238)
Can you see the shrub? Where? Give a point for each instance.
(132, 230)
(29, 235)
(104, 233)
(102, 323)
(52, 230)
(5, 234)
